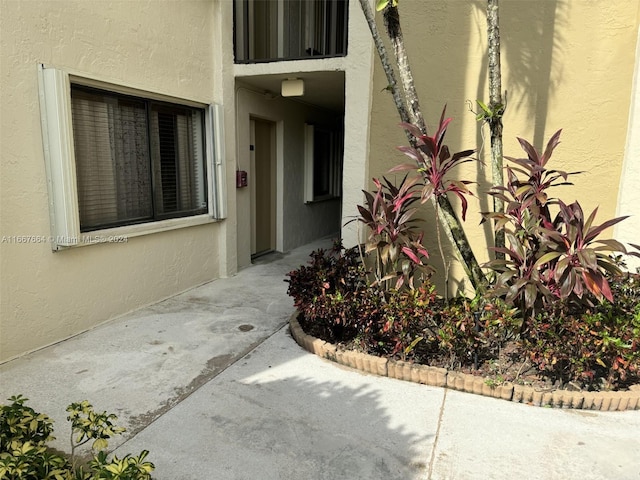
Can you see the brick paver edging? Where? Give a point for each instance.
(441, 377)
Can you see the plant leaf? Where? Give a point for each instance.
(595, 231)
(551, 145)
(381, 4)
(546, 258)
(411, 254)
(528, 148)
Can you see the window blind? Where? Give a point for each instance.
(137, 160)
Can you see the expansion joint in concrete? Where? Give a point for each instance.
(435, 440)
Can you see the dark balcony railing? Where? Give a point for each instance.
(272, 30)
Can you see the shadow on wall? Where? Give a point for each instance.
(534, 61)
(531, 42)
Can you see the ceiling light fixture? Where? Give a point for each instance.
(292, 87)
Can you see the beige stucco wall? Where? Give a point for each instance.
(629, 194)
(565, 65)
(163, 47)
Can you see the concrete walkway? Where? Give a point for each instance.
(212, 384)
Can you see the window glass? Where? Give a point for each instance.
(137, 160)
(323, 162)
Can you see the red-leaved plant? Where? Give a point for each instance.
(578, 259)
(393, 237)
(547, 258)
(434, 162)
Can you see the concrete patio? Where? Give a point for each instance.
(212, 384)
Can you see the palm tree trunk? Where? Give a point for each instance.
(413, 114)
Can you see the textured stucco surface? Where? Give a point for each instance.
(558, 74)
(629, 196)
(158, 46)
(358, 93)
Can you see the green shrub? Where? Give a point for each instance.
(24, 454)
(397, 327)
(20, 424)
(472, 332)
(559, 298)
(337, 304)
(26, 461)
(599, 348)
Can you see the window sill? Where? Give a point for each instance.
(324, 198)
(123, 234)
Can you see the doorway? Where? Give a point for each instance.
(263, 187)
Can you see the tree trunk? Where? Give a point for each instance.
(458, 238)
(392, 23)
(449, 220)
(388, 69)
(497, 108)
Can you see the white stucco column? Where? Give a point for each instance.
(224, 94)
(629, 193)
(358, 86)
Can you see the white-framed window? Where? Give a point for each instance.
(323, 163)
(126, 162)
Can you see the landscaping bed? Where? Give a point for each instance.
(562, 357)
(532, 393)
